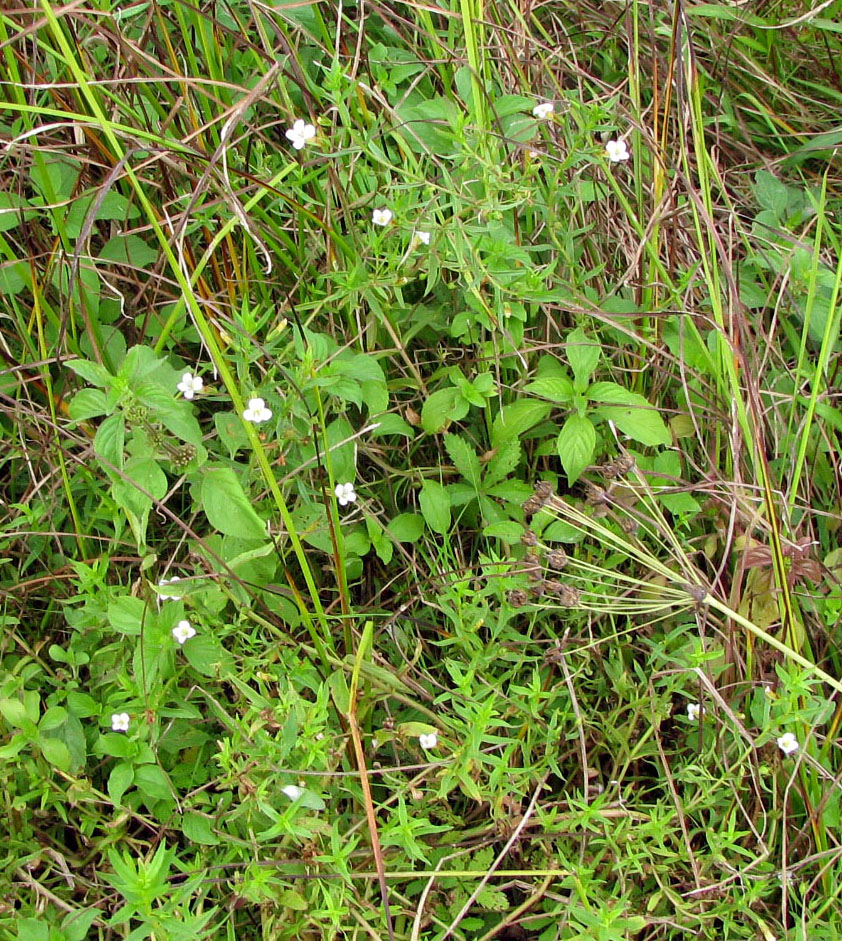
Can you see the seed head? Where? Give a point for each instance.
(529, 538)
(618, 467)
(531, 505)
(568, 596)
(518, 598)
(544, 490)
(557, 559)
(182, 456)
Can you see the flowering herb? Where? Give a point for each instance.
(120, 722)
(257, 412)
(183, 631)
(190, 385)
(300, 133)
(617, 151)
(788, 743)
(345, 494)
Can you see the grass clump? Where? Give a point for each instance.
(421, 498)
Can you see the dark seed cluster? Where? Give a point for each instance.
(618, 467)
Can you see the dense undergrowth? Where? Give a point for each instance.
(487, 583)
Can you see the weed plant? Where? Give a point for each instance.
(421, 486)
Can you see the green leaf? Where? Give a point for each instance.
(642, 423)
(435, 505)
(112, 206)
(33, 929)
(583, 355)
(14, 210)
(771, 193)
(226, 505)
(147, 474)
(407, 527)
(56, 753)
(613, 394)
(126, 614)
(391, 424)
(55, 179)
(507, 530)
(153, 782)
(517, 418)
(109, 440)
(128, 250)
(14, 712)
(464, 458)
(175, 414)
(199, 829)
(502, 463)
(555, 388)
(207, 656)
(87, 403)
(575, 446)
(93, 373)
(82, 705)
(119, 781)
(436, 411)
(53, 717)
(561, 531)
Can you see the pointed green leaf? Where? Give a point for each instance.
(227, 507)
(464, 459)
(640, 422)
(517, 418)
(575, 445)
(502, 463)
(613, 394)
(119, 781)
(437, 409)
(555, 388)
(435, 505)
(583, 355)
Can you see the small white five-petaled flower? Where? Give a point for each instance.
(382, 216)
(292, 791)
(543, 110)
(168, 581)
(616, 151)
(257, 411)
(120, 722)
(183, 631)
(428, 741)
(190, 385)
(693, 710)
(788, 743)
(422, 237)
(300, 133)
(345, 494)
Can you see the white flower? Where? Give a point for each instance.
(190, 385)
(788, 743)
(292, 791)
(693, 710)
(345, 494)
(382, 216)
(300, 133)
(183, 631)
(428, 741)
(616, 151)
(543, 111)
(120, 722)
(168, 581)
(422, 237)
(257, 411)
